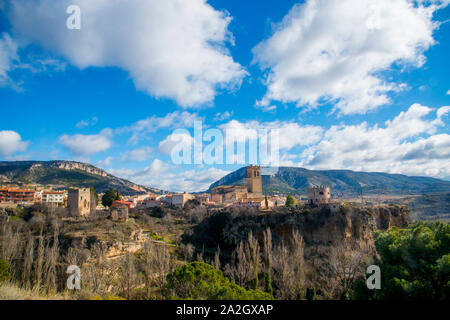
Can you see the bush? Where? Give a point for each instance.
(415, 262)
(4, 271)
(200, 281)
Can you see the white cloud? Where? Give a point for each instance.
(336, 50)
(164, 176)
(10, 62)
(443, 111)
(87, 123)
(140, 154)
(223, 116)
(8, 56)
(173, 140)
(448, 92)
(291, 134)
(407, 144)
(152, 124)
(173, 49)
(264, 106)
(105, 162)
(11, 142)
(86, 145)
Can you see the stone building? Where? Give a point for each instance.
(180, 199)
(254, 181)
(80, 202)
(228, 194)
(258, 202)
(119, 214)
(232, 194)
(319, 195)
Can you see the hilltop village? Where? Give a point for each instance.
(84, 201)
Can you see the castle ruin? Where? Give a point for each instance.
(80, 202)
(319, 195)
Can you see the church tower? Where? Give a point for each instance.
(254, 180)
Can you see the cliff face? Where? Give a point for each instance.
(317, 226)
(78, 166)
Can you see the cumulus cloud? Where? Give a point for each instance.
(11, 142)
(152, 124)
(291, 134)
(337, 50)
(87, 145)
(87, 123)
(8, 57)
(173, 49)
(173, 140)
(223, 116)
(140, 154)
(165, 176)
(443, 111)
(407, 144)
(448, 92)
(250, 135)
(105, 162)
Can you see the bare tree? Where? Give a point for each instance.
(253, 253)
(99, 274)
(217, 259)
(239, 269)
(39, 262)
(128, 275)
(51, 260)
(28, 258)
(289, 268)
(267, 252)
(347, 263)
(162, 264)
(11, 246)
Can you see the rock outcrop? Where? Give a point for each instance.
(318, 226)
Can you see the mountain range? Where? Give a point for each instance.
(66, 174)
(286, 180)
(343, 182)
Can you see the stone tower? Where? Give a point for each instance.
(80, 202)
(318, 195)
(254, 180)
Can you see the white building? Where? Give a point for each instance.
(53, 197)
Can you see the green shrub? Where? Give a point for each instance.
(311, 293)
(415, 262)
(4, 271)
(200, 281)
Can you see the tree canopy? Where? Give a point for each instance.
(109, 197)
(199, 280)
(415, 262)
(290, 201)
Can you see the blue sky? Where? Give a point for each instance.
(361, 85)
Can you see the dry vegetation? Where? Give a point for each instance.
(39, 244)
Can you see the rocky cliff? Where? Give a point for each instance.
(317, 226)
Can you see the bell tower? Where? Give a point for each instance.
(254, 180)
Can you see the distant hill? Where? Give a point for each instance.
(66, 174)
(346, 182)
